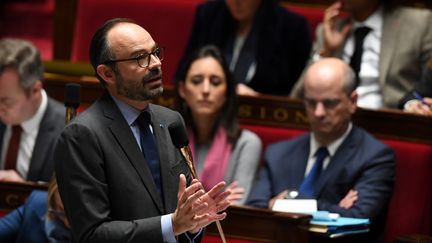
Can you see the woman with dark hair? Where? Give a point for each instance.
(208, 102)
(265, 45)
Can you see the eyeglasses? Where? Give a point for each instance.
(327, 103)
(144, 59)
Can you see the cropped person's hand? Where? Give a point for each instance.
(10, 175)
(416, 106)
(237, 193)
(243, 89)
(333, 38)
(349, 200)
(281, 195)
(197, 209)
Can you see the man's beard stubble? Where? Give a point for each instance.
(136, 90)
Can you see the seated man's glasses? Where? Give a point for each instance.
(143, 59)
(327, 103)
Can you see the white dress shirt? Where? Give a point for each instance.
(332, 148)
(30, 130)
(369, 89)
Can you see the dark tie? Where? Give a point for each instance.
(355, 62)
(307, 188)
(12, 151)
(149, 149)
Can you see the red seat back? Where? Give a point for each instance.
(411, 202)
(168, 21)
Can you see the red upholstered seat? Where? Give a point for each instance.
(410, 210)
(168, 21)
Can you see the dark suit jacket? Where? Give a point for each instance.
(26, 224)
(361, 163)
(104, 181)
(41, 163)
(283, 43)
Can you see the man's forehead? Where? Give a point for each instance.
(129, 36)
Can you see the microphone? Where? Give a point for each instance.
(180, 140)
(72, 100)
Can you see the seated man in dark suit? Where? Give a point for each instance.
(354, 177)
(30, 121)
(419, 100)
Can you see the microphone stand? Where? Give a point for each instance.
(70, 114)
(186, 152)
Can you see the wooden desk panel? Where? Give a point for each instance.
(263, 225)
(14, 194)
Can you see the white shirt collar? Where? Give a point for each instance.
(375, 21)
(33, 123)
(332, 147)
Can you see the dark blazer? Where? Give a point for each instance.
(26, 224)
(361, 163)
(283, 43)
(41, 162)
(104, 181)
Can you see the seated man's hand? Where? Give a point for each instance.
(243, 89)
(349, 200)
(281, 195)
(197, 209)
(10, 175)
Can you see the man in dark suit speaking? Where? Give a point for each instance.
(120, 177)
(342, 166)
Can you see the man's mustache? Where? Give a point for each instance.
(154, 74)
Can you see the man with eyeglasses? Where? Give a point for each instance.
(119, 175)
(339, 164)
(30, 121)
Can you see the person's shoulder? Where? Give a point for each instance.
(56, 106)
(249, 136)
(37, 198)
(164, 113)
(367, 139)
(410, 14)
(289, 143)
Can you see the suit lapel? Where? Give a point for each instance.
(2, 131)
(160, 130)
(121, 131)
(43, 143)
(342, 156)
(389, 39)
(299, 167)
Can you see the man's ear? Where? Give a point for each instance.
(37, 87)
(106, 73)
(354, 98)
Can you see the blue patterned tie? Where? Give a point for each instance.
(149, 148)
(307, 188)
